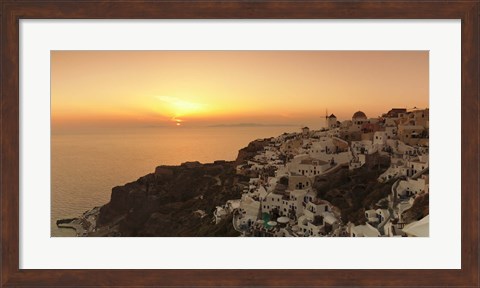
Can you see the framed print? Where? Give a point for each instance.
(231, 143)
(282, 182)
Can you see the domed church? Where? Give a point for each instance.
(359, 115)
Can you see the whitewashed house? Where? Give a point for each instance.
(316, 208)
(366, 230)
(248, 210)
(380, 138)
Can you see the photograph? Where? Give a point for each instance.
(239, 143)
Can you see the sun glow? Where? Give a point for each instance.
(180, 107)
(190, 88)
(178, 122)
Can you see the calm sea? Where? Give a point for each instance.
(85, 166)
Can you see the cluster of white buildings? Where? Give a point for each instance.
(280, 200)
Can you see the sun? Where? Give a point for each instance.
(178, 122)
(176, 107)
(180, 107)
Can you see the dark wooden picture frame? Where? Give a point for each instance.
(12, 11)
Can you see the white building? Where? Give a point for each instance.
(415, 166)
(363, 147)
(296, 201)
(380, 138)
(316, 208)
(366, 230)
(410, 187)
(311, 167)
(249, 210)
(332, 122)
(371, 216)
(299, 182)
(358, 119)
(272, 201)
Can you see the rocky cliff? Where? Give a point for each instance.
(166, 202)
(251, 150)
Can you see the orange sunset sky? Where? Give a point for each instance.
(202, 88)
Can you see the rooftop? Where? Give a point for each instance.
(320, 202)
(359, 114)
(311, 160)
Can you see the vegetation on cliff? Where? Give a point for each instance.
(353, 191)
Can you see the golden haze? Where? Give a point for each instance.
(130, 88)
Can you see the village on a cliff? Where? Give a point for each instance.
(364, 177)
(288, 203)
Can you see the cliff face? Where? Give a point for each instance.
(251, 150)
(163, 203)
